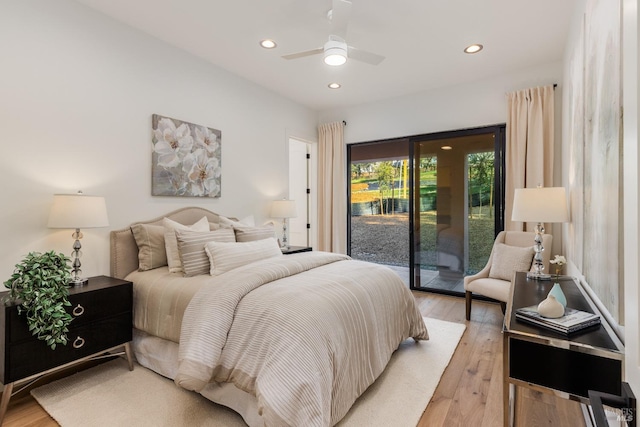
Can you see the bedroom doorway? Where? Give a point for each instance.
(427, 206)
(302, 184)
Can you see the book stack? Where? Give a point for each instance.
(572, 321)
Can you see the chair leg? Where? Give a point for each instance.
(503, 307)
(467, 298)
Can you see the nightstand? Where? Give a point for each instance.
(296, 249)
(568, 366)
(102, 311)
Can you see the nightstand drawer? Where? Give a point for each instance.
(86, 307)
(33, 356)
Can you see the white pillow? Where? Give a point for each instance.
(508, 259)
(171, 243)
(225, 256)
(247, 221)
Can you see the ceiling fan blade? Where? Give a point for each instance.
(303, 54)
(364, 56)
(340, 15)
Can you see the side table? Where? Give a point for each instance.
(102, 311)
(567, 366)
(296, 249)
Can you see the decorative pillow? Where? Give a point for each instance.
(227, 256)
(191, 248)
(247, 221)
(249, 234)
(151, 248)
(509, 259)
(171, 244)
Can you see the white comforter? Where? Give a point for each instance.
(306, 334)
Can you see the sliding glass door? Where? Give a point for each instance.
(427, 206)
(457, 206)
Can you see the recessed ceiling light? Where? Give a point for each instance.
(268, 44)
(474, 48)
(446, 147)
(334, 85)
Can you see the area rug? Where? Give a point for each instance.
(111, 395)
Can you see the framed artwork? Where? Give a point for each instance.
(595, 94)
(185, 159)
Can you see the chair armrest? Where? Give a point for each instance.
(482, 274)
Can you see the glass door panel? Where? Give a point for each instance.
(455, 203)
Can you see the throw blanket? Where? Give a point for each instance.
(306, 334)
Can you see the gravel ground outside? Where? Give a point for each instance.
(384, 239)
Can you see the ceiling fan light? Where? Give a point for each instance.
(335, 57)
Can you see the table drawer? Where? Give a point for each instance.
(33, 356)
(85, 308)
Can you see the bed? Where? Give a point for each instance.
(280, 339)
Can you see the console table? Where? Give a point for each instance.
(567, 366)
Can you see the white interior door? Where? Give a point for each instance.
(299, 152)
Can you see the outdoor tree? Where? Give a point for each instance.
(481, 173)
(384, 172)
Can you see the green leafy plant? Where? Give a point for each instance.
(40, 283)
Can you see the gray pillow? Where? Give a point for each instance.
(191, 248)
(509, 259)
(249, 234)
(151, 247)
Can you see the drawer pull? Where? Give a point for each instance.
(78, 311)
(79, 342)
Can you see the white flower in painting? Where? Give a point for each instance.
(206, 139)
(203, 173)
(172, 143)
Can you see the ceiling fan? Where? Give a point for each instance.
(336, 50)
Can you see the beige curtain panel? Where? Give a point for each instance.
(529, 149)
(332, 189)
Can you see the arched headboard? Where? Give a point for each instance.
(124, 251)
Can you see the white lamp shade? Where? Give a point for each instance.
(540, 205)
(284, 209)
(78, 211)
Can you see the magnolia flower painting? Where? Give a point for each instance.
(185, 159)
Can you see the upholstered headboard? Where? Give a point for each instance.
(124, 251)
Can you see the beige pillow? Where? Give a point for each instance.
(171, 244)
(509, 259)
(249, 234)
(151, 248)
(224, 257)
(191, 248)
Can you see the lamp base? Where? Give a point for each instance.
(80, 281)
(538, 276)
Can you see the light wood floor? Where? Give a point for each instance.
(469, 393)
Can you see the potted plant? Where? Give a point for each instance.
(40, 284)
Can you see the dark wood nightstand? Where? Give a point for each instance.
(296, 249)
(102, 311)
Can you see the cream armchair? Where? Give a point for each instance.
(494, 280)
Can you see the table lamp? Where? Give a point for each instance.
(284, 209)
(77, 211)
(539, 205)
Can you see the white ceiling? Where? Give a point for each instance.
(422, 40)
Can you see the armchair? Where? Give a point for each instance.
(496, 284)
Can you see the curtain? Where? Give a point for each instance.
(529, 149)
(332, 188)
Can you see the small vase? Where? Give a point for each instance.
(556, 291)
(551, 308)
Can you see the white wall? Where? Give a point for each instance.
(474, 104)
(631, 179)
(77, 91)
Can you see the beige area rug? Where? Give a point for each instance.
(111, 395)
